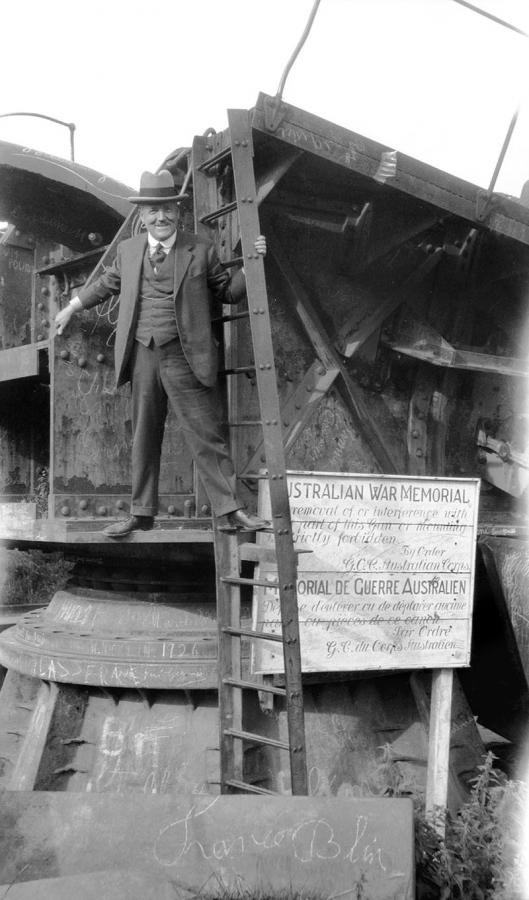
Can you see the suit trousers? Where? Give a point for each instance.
(162, 375)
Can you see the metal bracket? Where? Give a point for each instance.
(274, 112)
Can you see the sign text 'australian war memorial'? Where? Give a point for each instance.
(387, 581)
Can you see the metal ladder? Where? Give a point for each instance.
(229, 553)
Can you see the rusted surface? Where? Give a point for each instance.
(40, 193)
(16, 269)
(115, 640)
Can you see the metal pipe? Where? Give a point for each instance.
(503, 151)
(69, 125)
(295, 54)
(488, 15)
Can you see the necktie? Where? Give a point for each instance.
(157, 257)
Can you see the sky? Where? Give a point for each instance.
(427, 77)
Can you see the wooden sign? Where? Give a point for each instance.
(388, 579)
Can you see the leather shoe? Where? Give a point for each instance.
(133, 523)
(243, 521)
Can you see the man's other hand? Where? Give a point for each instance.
(62, 318)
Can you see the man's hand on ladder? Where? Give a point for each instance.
(260, 245)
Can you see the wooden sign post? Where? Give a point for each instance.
(387, 583)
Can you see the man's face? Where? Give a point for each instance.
(160, 219)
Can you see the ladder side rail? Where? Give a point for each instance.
(229, 660)
(245, 188)
(225, 546)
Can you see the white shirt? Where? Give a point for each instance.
(167, 244)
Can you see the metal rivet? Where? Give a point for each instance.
(45, 291)
(83, 504)
(65, 510)
(64, 354)
(81, 362)
(102, 511)
(39, 337)
(120, 504)
(171, 510)
(100, 357)
(40, 306)
(419, 452)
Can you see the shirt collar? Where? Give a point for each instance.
(167, 244)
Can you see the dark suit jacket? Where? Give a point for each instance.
(199, 277)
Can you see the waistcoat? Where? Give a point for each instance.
(156, 313)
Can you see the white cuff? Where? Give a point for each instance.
(76, 304)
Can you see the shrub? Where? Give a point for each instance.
(479, 857)
(32, 577)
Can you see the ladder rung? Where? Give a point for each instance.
(238, 370)
(250, 788)
(213, 160)
(259, 553)
(231, 318)
(232, 579)
(248, 632)
(252, 685)
(253, 476)
(234, 261)
(256, 738)
(217, 213)
(242, 424)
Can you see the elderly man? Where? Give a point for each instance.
(165, 347)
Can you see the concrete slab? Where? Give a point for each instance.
(319, 846)
(118, 885)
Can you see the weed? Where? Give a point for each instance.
(479, 856)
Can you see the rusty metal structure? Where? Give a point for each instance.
(398, 312)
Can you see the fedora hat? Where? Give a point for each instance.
(156, 188)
